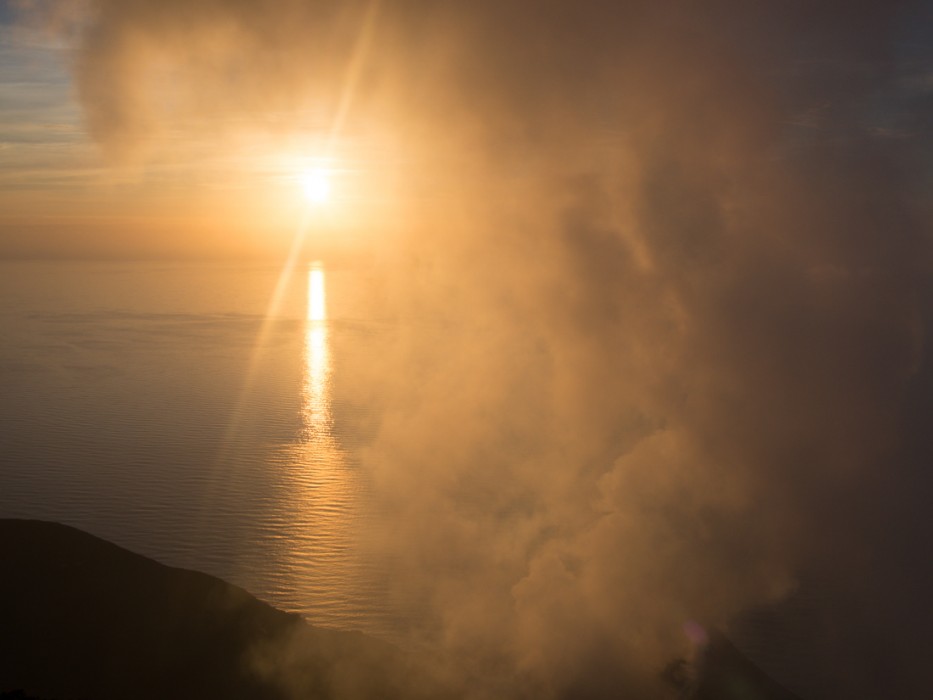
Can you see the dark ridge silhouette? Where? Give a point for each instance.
(81, 618)
(84, 619)
(720, 671)
(724, 673)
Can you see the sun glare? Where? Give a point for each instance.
(315, 182)
(317, 308)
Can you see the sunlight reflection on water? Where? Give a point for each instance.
(328, 577)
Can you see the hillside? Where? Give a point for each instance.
(83, 618)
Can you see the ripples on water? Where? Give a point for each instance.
(135, 404)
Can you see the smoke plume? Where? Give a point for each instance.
(663, 276)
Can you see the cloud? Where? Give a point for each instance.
(665, 339)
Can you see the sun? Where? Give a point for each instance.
(315, 183)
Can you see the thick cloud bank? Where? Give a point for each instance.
(668, 265)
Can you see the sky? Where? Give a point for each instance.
(687, 249)
(128, 134)
(98, 169)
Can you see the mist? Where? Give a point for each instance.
(663, 270)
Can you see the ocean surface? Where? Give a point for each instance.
(208, 416)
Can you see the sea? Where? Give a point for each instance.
(217, 417)
(209, 416)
